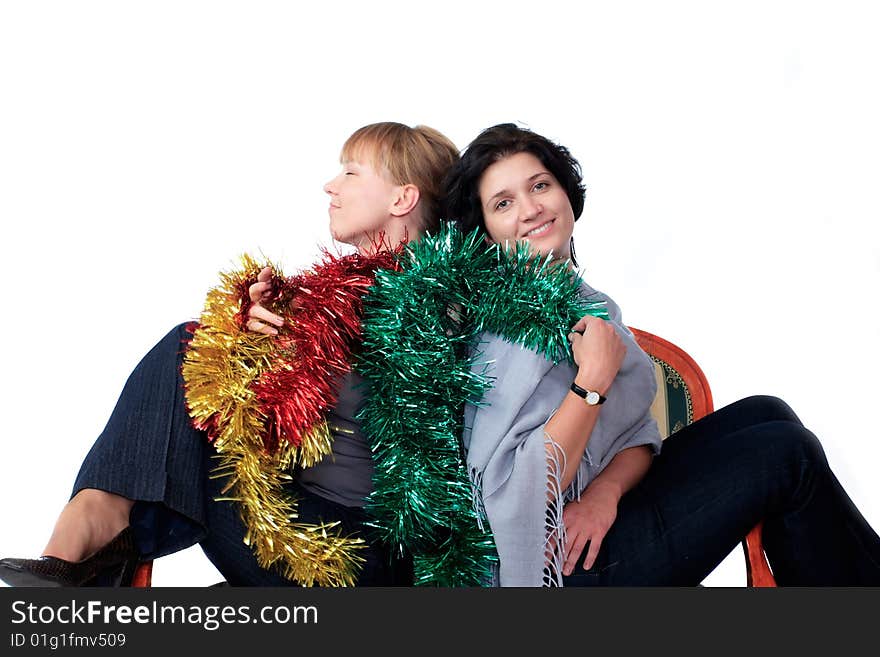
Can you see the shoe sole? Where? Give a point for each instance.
(16, 577)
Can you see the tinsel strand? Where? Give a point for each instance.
(233, 378)
(418, 325)
(322, 310)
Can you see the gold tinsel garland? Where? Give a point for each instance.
(222, 363)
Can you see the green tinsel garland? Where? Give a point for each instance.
(417, 327)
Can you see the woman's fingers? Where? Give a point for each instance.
(579, 330)
(265, 275)
(258, 291)
(262, 320)
(581, 325)
(593, 551)
(261, 314)
(573, 551)
(259, 327)
(596, 344)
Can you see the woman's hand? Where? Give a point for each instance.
(588, 519)
(598, 351)
(262, 320)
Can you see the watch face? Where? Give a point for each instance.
(592, 398)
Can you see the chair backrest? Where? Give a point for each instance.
(683, 393)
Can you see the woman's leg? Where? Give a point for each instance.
(144, 471)
(713, 481)
(150, 468)
(88, 521)
(148, 453)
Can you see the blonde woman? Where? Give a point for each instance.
(144, 491)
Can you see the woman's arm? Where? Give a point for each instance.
(507, 455)
(625, 470)
(599, 353)
(590, 517)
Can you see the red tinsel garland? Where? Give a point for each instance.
(263, 401)
(322, 327)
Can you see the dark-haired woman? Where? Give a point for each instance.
(566, 458)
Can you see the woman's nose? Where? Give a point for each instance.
(529, 209)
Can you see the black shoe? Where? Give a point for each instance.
(112, 565)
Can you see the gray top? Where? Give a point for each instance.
(346, 475)
(507, 447)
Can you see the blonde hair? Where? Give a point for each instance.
(419, 156)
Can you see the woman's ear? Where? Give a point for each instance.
(405, 200)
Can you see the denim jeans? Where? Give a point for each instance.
(149, 452)
(712, 482)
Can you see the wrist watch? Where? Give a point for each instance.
(592, 397)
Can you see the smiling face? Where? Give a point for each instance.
(361, 203)
(522, 200)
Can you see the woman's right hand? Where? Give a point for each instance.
(598, 351)
(262, 320)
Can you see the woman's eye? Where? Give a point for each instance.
(541, 185)
(502, 204)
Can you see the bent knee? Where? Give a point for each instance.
(793, 443)
(767, 408)
(185, 330)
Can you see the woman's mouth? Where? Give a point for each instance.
(540, 230)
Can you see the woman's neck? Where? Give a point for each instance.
(387, 239)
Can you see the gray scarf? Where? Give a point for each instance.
(507, 454)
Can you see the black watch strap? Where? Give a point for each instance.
(586, 394)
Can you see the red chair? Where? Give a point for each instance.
(143, 576)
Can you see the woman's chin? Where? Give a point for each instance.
(545, 248)
(536, 248)
(341, 237)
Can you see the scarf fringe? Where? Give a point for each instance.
(477, 498)
(554, 542)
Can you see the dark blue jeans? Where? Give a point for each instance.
(149, 452)
(712, 482)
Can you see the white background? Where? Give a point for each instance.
(730, 151)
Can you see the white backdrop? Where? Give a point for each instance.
(730, 152)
